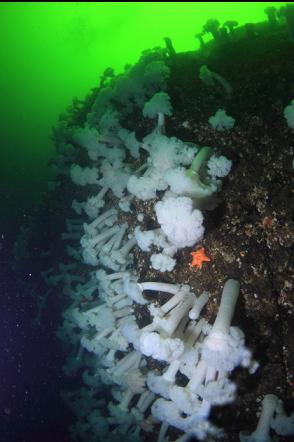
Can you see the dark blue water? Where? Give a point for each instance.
(31, 379)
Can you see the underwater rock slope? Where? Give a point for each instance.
(177, 179)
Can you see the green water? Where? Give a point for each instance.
(51, 52)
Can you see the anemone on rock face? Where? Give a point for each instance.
(143, 200)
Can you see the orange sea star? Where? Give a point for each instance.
(199, 258)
